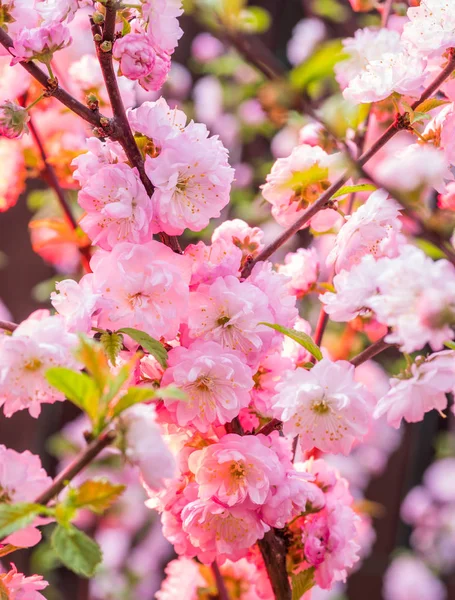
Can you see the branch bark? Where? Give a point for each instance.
(125, 137)
(222, 591)
(8, 326)
(73, 469)
(375, 348)
(273, 550)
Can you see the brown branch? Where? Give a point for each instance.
(125, 137)
(222, 591)
(93, 117)
(400, 123)
(8, 326)
(272, 425)
(73, 469)
(273, 550)
(376, 348)
(55, 184)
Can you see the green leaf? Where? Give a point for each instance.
(4, 595)
(94, 359)
(126, 25)
(171, 392)
(352, 189)
(254, 19)
(302, 583)
(95, 495)
(450, 345)
(115, 382)
(112, 344)
(430, 104)
(298, 336)
(77, 387)
(77, 551)
(319, 66)
(17, 516)
(154, 347)
(134, 395)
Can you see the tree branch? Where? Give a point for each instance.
(222, 591)
(126, 137)
(375, 348)
(73, 469)
(93, 117)
(8, 326)
(273, 550)
(54, 182)
(323, 201)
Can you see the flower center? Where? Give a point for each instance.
(222, 321)
(33, 365)
(237, 470)
(320, 407)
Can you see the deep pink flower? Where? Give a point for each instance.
(136, 55)
(19, 587)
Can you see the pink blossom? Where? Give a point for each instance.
(236, 470)
(19, 587)
(329, 539)
(216, 382)
(56, 10)
(229, 312)
(297, 181)
(181, 569)
(13, 120)
(99, 154)
(219, 259)
(137, 57)
(324, 406)
(118, 207)
(76, 303)
(157, 121)
(423, 389)
(439, 479)
(192, 180)
(372, 229)
(431, 26)
(219, 531)
(303, 268)
(40, 43)
(206, 47)
(148, 291)
(39, 343)
(239, 233)
(156, 78)
(268, 374)
(409, 577)
(294, 351)
(145, 446)
(163, 26)
(306, 36)
(22, 479)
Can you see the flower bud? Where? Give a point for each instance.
(13, 120)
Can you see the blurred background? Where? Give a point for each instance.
(258, 121)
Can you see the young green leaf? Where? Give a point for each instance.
(302, 583)
(112, 344)
(352, 189)
(154, 347)
(17, 516)
(254, 19)
(298, 336)
(94, 359)
(430, 104)
(4, 594)
(450, 345)
(171, 392)
(319, 65)
(134, 395)
(77, 551)
(77, 387)
(95, 495)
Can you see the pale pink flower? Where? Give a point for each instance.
(229, 312)
(76, 303)
(372, 229)
(268, 374)
(192, 180)
(13, 120)
(221, 532)
(303, 268)
(439, 480)
(208, 100)
(39, 343)
(19, 587)
(136, 55)
(118, 208)
(431, 27)
(145, 446)
(40, 43)
(163, 26)
(296, 181)
(330, 545)
(216, 382)
(181, 569)
(446, 201)
(424, 166)
(99, 154)
(409, 577)
(22, 479)
(248, 239)
(325, 406)
(143, 286)
(157, 121)
(219, 259)
(206, 47)
(237, 469)
(423, 389)
(306, 36)
(294, 351)
(56, 10)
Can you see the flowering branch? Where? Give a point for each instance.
(104, 44)
(8, 326)
(73, 469)
(375, 348)
(53, 180)
(53, 89)
(400, 123)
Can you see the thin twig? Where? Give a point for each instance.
(8, 326)
(272, 425)
(126, 137)
(375, 348)
(93, 117)
(55, 184)
(386, 12)
(73, 469)
(222, 591)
